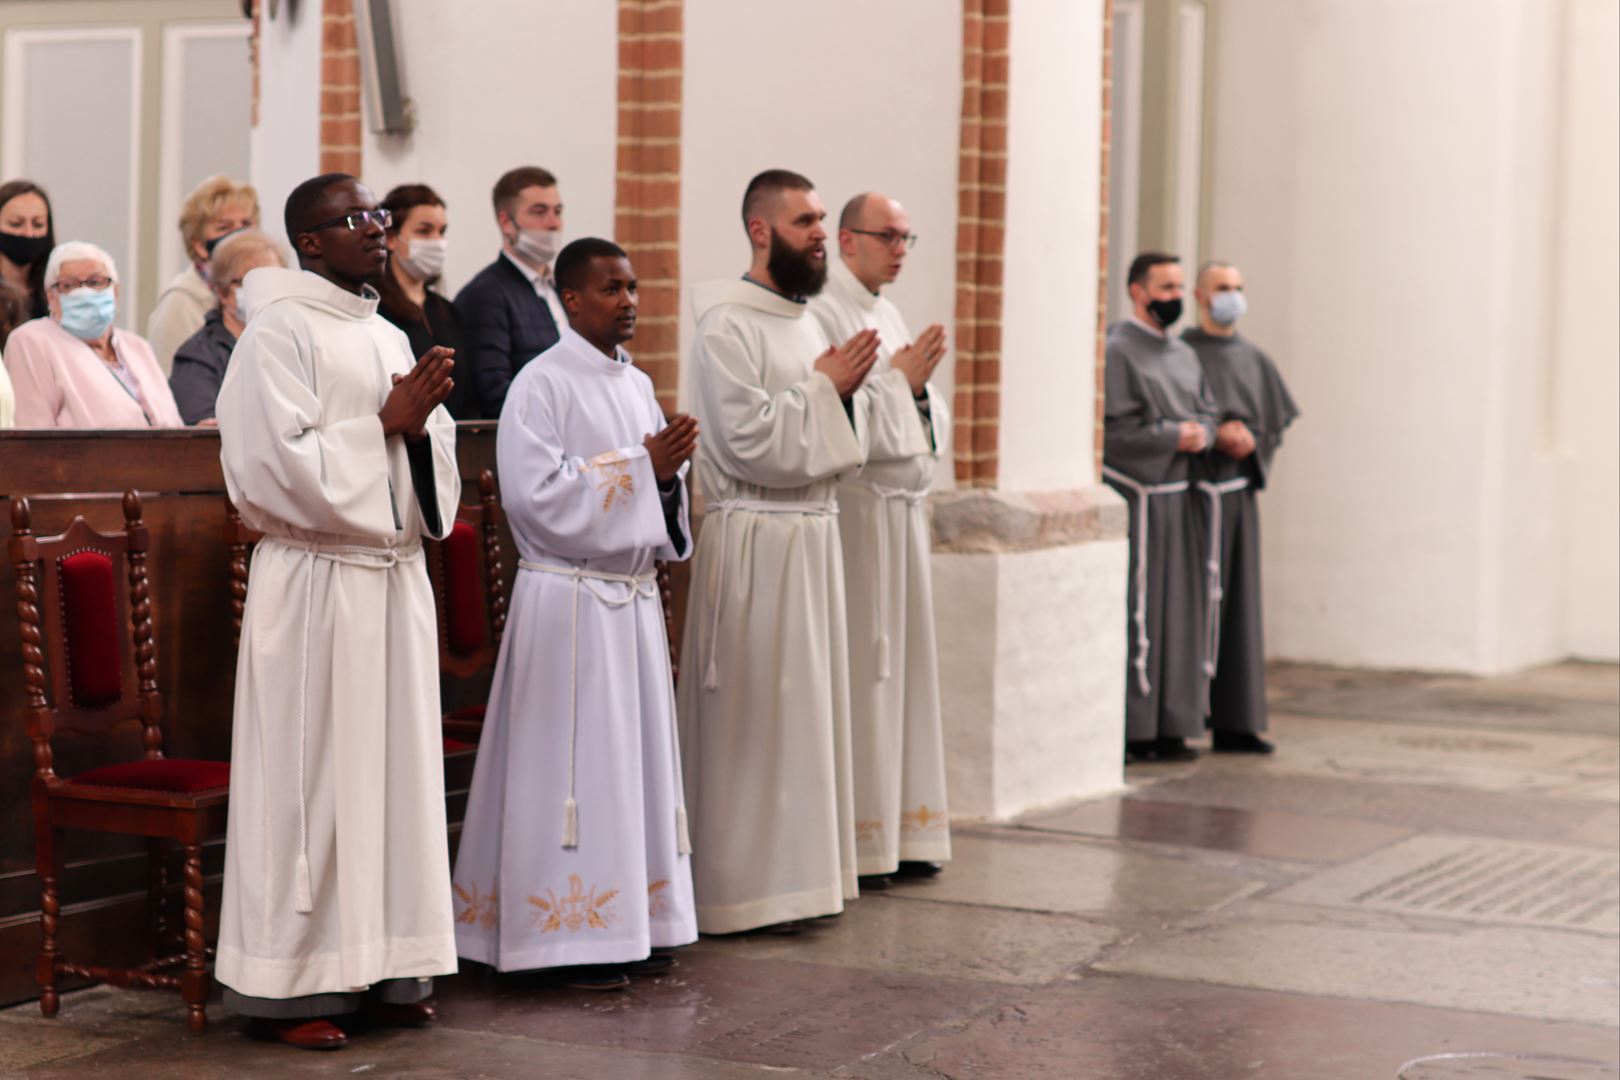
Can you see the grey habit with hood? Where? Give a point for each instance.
(1246, 386)
(1153, 383)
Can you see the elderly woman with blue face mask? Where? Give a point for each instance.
(72, 369)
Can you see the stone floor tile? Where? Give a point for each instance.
(26, 1045)
(1250, 832)
(771, 1012)
(1127, 1028)
(1020, 869)
(1473, 706)
(1416, 806)
(434, 1054)
(1603, 830)
(1543, 974)
(900, 930)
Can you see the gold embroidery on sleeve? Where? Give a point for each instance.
(610, 473)
(575, 911)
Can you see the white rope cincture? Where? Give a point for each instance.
(370, 558)
(1142, 493)
(885, 495)
(725, 508)
(1213, 592)
(644, 586)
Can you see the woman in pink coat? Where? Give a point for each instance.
(71, 369)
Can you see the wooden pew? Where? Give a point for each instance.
(66, 474)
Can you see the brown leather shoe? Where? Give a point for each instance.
(308, 1034)
(391, 1014)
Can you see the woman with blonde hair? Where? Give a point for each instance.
(215, 208)
(199, 364)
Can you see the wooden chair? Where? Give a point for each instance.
(100, 678)
(469, 591)
(239, 541)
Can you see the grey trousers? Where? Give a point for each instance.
(392, 991)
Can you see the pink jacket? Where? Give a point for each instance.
(61, 382)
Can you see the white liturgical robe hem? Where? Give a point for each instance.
(581, 706)
(897, 731)
(336, 862)
(764, 693)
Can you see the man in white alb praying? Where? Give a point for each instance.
(901, 824)
(574, 848)
(333, 444)
(764, 690)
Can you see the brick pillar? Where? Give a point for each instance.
(647, 192)
(980, 240)
(340, 89)
(253, 56)
(1104, 157)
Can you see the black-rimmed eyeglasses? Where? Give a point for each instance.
(356, 221)
(890, 237)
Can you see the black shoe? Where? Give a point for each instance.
(1141, 750)
(593, 977)
(1241, 742)
(1170, 748)
(656, 964)
(912, 868)
(874, 882)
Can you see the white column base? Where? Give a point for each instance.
(1029, 598)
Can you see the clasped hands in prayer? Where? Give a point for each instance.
(1233, 438)
(672, 447)
(417, 394)
(847, 365)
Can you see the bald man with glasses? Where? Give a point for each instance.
(899, 758)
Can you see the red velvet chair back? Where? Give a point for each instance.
(85, 613)
(469, 589)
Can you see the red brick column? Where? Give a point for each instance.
(647, 193)
(340, 89)
(1104, 156)
(980, 240)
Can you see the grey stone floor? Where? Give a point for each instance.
(1424, 883)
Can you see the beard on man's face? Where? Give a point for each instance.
(794, 271)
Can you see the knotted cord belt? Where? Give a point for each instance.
(366, 558)
(725, 508)
(913, 500)
(1212, 567)
(642, 587)
(1142, 493)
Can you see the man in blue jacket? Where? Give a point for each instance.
(510, 312)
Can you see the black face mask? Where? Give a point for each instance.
(24, 250)
(1166, 312)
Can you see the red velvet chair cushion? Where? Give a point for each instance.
(463, 591)
(90, 619)
(180, 776)
(455, 746)
(473, 714)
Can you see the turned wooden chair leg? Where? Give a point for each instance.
(195, 983)
(48, 865)
(157, 888)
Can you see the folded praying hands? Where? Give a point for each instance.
(417, 394)
(918, 360)
(672, 447)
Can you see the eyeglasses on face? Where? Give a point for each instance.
(100, 283)
(358, 220)
(890, 237)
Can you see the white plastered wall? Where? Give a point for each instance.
(1387, 175)
(285, 145)
(1588, 334)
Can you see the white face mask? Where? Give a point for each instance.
(424, 258)
(539, 245)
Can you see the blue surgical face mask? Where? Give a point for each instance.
(1227, 308)
(87, 313)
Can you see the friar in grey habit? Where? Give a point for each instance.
(1253, 407)
(1159, 421)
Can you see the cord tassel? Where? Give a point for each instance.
(570, 823)
(683, 837)
(303, 899)
(883, 656)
